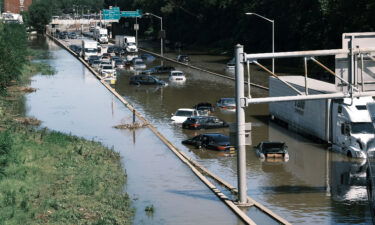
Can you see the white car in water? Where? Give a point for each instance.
(177, 76)
(182, 114)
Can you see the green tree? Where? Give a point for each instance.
(40, 15)
(13, 54)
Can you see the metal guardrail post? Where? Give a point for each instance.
(240, 119)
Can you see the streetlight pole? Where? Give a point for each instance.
(161, 30)
(273, 36)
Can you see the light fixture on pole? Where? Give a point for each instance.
(273, 35)
(161, 30)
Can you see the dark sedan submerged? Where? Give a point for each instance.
(161, 69)
(203, 122)
(146, 80)
(214, 141)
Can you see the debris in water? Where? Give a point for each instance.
(131, 126)
(28, 121)
(21, 89)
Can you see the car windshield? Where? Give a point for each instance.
(184, 113)
(178, 74)
(228, 101)
(193, 120)
(273, 145)
(93, 50)
(220, 138)
(107, 67)
(362, 128)
(139, 63)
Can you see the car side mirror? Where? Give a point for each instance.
(172, 114)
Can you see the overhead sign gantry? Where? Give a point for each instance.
(114, 13)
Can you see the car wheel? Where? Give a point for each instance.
(349, 154)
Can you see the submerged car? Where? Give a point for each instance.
(177, 76)
(271, 151)
(145, 80)
(161, 69)
(183, 58)
(76, 49)
(107, 71)
(182, 114)
(204, 106)
(93, 58)
(214, 141)
(226, 103)
(148, 57)
(203, 122)
(72, 35)
(119, 63)
(230, 65)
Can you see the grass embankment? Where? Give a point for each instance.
(48, 177)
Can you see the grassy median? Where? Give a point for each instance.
(48, 177)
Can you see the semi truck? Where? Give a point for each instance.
(89, 48)
(100, 35)
(345, 123)
(126, 42)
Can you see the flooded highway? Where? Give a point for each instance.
(314, 186)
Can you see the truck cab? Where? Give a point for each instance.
(130, 44)
(352, 128)
(89, 48)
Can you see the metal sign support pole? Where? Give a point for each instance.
(240, 117)
(136, 31)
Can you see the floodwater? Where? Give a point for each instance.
(314, 186)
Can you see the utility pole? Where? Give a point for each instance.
(240, 119)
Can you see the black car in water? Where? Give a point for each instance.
(214, 141)
(203, 122)
(183, 58)
(161, 69)
(145, 80)
(93, 58)
(72, 35)
(76, 49)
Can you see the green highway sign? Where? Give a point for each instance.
(114, 13)
(137, 13)
(111, 14)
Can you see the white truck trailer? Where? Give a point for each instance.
(89, 48)
(100, 35)
(126, 42)
(345, 123)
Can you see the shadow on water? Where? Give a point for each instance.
(193, 194)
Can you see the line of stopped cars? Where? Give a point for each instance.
(196, 118)
(200, 117)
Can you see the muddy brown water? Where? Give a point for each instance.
(314, 186)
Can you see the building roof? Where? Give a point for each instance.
(313, 84)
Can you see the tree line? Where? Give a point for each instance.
(13, 53)
(299, 25)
